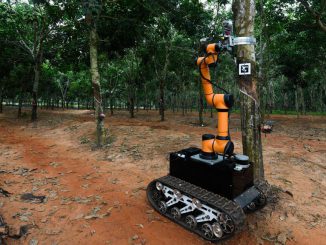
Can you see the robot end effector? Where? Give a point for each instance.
(227, 41)
(224, 43)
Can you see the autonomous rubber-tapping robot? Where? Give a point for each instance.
(208, 190)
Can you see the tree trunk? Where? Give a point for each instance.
(161, 102)
(38, 57)
(131, 105)
(302, 101)
(99, 115)
(20, 103)
(312, 106)
(244, 14)
(137, 105)
(111, 105)
(322, 95)
(146, 98)
(296, 101)
(1, 99)
(183, 106)
(162, 82)
(37, 68)
(285, 103)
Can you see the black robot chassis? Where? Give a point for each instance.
(212, 208)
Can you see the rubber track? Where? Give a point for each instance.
(213, 200)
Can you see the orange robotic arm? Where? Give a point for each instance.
(222, 102)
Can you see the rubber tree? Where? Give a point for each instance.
(131, 77)
(162, 78)
(92, 9)
(163, 34)
(111, 73)
(30, 37)
(161, 71)
(244, 17)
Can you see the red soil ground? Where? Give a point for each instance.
(98, 196)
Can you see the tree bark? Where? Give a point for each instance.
(131, 106)
(302, 100)
(99, 115)
(111, 105)
(161, 101)
(162, 82)
(20, 103)
(320, 95)
(1, 99)
(37, 68)
(38, 57)
(285, 103)
(244, 15)
(131, 99)
(296, 101)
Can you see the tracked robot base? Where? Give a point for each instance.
(207, 196)
(209, 190)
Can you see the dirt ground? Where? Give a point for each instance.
(98, 196)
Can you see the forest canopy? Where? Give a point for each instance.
(146, 50)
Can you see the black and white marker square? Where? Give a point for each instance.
(245, 69)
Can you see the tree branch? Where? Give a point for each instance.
(315, 14)
(321, 25)
(22, 42)
(25, 46)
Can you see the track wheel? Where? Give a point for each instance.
(217, 230)
(191, 221)
(175, 212)
(207, 230)
(162, 207)
(226, 223)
